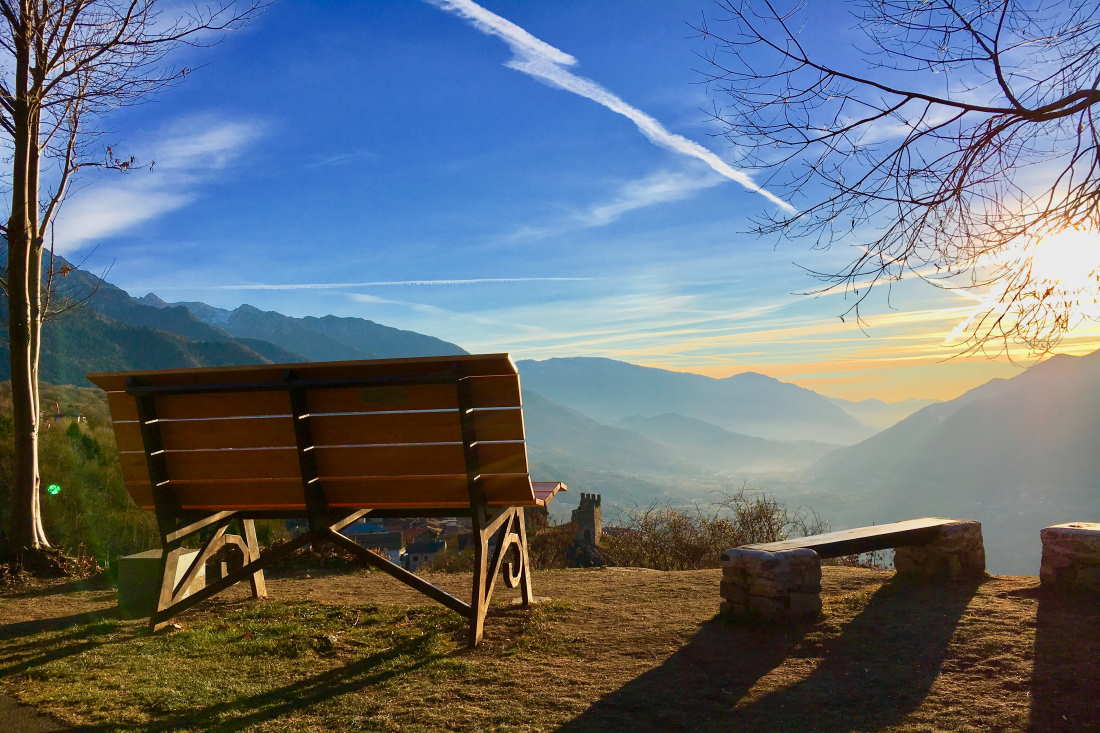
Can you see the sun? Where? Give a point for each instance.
(1069, 261)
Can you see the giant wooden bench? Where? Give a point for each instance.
(438, 436)
(783, 579)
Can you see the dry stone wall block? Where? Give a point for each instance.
(771, 585)
(1071, 557)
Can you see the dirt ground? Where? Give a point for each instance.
(643, 650)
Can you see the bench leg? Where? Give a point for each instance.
(481, 591)
(172, 592)
(259, 585)
(526, 594)
(507, 558)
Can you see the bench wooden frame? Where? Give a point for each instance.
(401, 399)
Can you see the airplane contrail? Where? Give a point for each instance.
(539, 59)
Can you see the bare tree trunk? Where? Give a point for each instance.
(24, 301)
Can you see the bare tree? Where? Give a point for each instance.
(64, 64)
(948, 145)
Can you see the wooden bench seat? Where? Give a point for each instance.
(330, 441)
(864, 539)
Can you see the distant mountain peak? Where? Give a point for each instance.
(750, 375)
(154, 300)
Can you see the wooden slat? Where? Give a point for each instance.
(236, 464)
(486, 392)
(413, 427)
(141, 491)
(134, 468)
(864, 539)
(208, 434)
(418, 460)
(214, 465)
(473, 365)
(410, 427)
(501, 391)
(378, 399)
(412, 492)
(232, 404)
(350, 429)
(396, 460)
(507, 490)
(128, 436)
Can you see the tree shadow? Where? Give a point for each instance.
(20, 657)
(245, 712)
(1066, 677)
(19, 629)
(872, 675)
(96, 582)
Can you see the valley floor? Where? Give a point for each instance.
(617, 649)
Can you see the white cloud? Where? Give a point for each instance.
(539, 59)
(183, 155)
(374, 283)
(659, 187)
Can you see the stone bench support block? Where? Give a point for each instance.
(1071, 557)
(958, 553)
(139, 581)
(783, 585)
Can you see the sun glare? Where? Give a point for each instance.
(1069, 260)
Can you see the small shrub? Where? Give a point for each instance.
(665, 538)
(452, 561)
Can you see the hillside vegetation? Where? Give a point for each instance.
(90, 513)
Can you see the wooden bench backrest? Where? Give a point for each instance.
(381, 433)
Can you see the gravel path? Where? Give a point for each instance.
(19, 718)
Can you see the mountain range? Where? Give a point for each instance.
(748, 403)
(1017, 454)
(107, 329)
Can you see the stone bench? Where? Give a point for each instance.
(782, 580)
(1071, 557)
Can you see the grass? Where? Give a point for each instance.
(620, 650)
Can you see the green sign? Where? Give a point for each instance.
(53, 489)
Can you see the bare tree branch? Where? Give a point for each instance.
(942, 183)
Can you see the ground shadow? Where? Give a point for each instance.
(96, 582)
(872, 675)
(1065, 680)
(245, 712)
(19, 629)
(19, 657)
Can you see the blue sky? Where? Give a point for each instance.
(434, 167)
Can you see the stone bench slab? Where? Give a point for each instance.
(865, 539)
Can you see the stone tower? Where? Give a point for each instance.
(588, 521)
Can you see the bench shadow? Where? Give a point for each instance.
(872, 675)
(1066, 677)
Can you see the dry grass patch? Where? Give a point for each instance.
(621, 649)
